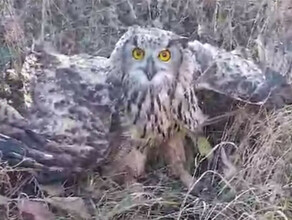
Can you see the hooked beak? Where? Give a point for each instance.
(150, 69)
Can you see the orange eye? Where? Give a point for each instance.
(164, 55)
(138, 53)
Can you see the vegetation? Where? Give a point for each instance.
(251, 173)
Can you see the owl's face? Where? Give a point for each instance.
(151, 57)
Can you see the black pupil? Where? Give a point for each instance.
(138, 53)
(164, 54)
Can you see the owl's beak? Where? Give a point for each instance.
(150, 68)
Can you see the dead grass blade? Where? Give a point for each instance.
(4, 200)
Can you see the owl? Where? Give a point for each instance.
(85, 111)
(159, 105)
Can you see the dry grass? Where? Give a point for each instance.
(253, 182)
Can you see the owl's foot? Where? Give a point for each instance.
(185, 177)
(174, 153)
(127, 168)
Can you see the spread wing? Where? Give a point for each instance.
(230, 74)
(69, 112)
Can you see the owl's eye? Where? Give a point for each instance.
(138, 53)
(164, 55)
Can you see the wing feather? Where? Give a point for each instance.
(230, 74)
(68, 116)
(71, 103)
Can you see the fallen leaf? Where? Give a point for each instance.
(204, 147)
(32, 210)
(73, 205)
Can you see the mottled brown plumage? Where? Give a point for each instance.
(68, 112)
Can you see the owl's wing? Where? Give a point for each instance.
(69, 109)
(230, 74)
(21, 146)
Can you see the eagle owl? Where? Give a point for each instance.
(93, 111)
(159, 105)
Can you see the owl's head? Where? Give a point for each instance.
(149, 57)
